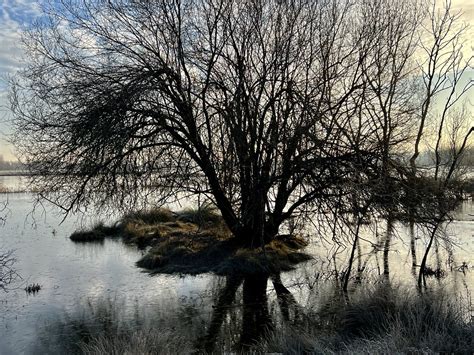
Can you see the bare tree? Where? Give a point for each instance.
(269, 108)
(443, 69)
(441, 109)
(412, 72)
(245, 102)
(7, 260)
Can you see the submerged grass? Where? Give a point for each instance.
(105, 326)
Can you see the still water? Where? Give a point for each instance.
(72, 275)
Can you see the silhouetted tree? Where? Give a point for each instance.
(241, 101)
(269, 108)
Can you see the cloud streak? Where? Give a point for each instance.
(14, 16)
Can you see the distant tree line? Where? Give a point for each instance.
(8, 165)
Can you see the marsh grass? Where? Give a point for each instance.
(143, 342)
(206, 252)
(204, 216)
(67, 332)
(375, 319)
(142, 234)
(111, 326)
(96, 234)
(380, 319)
(195, 241)
(150, 216)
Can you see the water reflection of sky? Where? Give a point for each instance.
(69, 273)
(73, 274)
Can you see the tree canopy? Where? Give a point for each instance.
(269, 108)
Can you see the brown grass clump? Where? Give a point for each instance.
(83, 236)
(151, 261)
(195, 241)
(219, 253)
(137, 232)
(281, 254)
(96, 234)
(203, 216)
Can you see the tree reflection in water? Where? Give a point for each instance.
(254, 309)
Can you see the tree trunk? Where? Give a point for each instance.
(412, 244)
(224, 301)
(421, 275)
(286, 300)
(386, 249)
(257, 228)
(256, 318)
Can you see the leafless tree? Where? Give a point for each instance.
(443, 74)
(269, 108)
(442, 71)
(7, 259)
(247, 102)
(415, 77)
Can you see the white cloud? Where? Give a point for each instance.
(14, 15)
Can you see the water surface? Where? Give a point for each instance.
(72, 275)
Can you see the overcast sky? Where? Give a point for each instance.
(15, 14)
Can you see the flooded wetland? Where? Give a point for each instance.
(90, 290)
(236, 177)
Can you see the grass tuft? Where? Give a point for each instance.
(219, 253)
(205, 215)
(139, 342)
(109, 326)
(382, 319)
(150, 216)
(195, 241)
(96, 234)
(142, 234)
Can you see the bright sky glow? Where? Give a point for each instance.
(15, 14)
